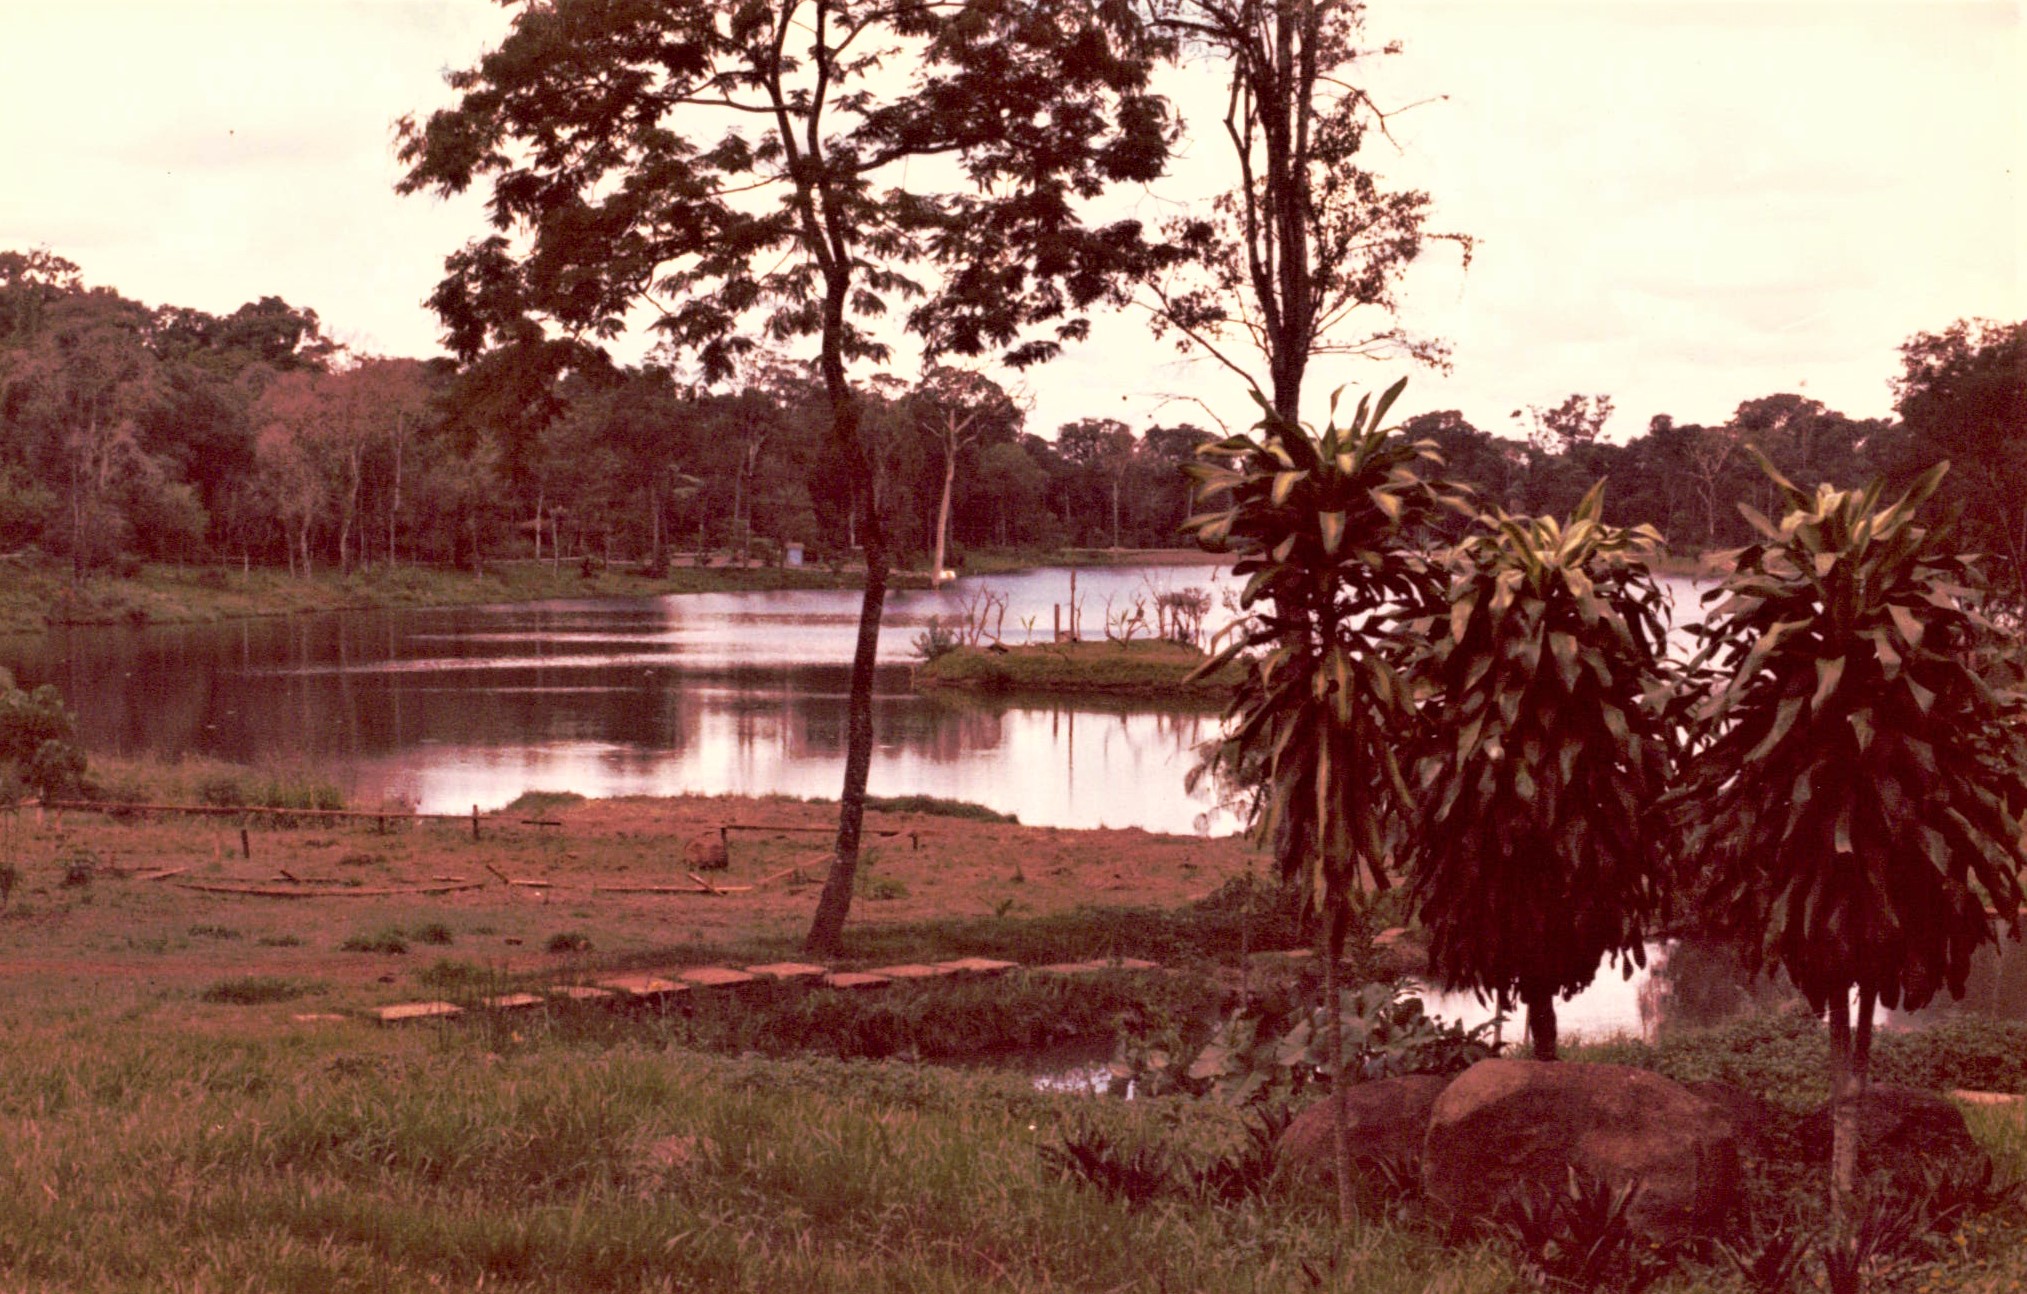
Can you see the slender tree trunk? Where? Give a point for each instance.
(826, 931)
(943, 515)
(394, 508)
(1844, 1097)
(1333, 1035)
(1541, 1024)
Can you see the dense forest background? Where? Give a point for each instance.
(130, 432)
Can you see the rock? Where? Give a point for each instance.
(706, 852)
(1902, 1132)
(1387, 1120)
(1758, 1122)
(1515, 1125)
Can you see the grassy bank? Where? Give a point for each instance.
(145, 1150)
(1147, 668)
(181, 1109)
(35, 596)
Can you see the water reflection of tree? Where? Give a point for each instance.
(1691, 984)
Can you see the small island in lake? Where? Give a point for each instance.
(1150, 667)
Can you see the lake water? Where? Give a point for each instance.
(716, 693)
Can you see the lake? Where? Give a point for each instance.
(737, 693)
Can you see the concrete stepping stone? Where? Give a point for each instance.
(513, 1001)
(405, 1012)
(856, 980)
(911, 971)
(1989, 1098)
(644, 989)
(715, 976)
(787, 971)
(581, 993)
(976, 966)
(316, 1017)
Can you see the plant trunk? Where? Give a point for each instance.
(943, 516)
(394, 508)
(826, 931)
(1541, 1026)
(1844, 1095)
(1333, 1030)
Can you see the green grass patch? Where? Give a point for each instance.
(1147, 668)
(540, 803)
(387, 939)
(937, 806)
(1783, 1056)
(254, 990)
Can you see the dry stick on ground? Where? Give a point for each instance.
(277, 892)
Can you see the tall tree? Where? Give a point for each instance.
(1571, 425)
(740, 168)
(1962, 393)
(1327, 532)
(1306, 241)
(1104, 448)
(1534, 858)
(958, 407)
(1856, 802)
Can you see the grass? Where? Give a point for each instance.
(254, 990)
(1148, 668)
(36, 595)
(540, 803)
(193, 779)
(938, 807)
(140, 1151)
(391, 940)
(1782, 1056)
(358, 1161)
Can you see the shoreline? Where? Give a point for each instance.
(36, 595)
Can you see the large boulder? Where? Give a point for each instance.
(1902, 1132)
(1758, 1122)
(1387, 1119)
(1508, 1126)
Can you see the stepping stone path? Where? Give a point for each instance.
(649, 989)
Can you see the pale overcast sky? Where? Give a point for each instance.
(1680, 203)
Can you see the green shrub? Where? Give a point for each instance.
(254, 990)
(38, 741)
(80, 869)
(436, 932)
(387, 939)
(569, 941)
(214, 932)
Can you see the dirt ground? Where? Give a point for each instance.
(132, 930)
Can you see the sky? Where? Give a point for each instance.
(1682, 204)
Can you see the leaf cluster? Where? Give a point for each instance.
(1545, 746)
(1856, 800)
(741, 164)
(1326, 529)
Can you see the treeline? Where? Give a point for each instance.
(129, 432)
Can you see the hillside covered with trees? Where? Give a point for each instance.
(134, 432)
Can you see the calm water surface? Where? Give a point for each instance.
(736, 693)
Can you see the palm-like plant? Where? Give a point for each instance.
(1856, 802)
(1546, 751)
(1325, 527)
